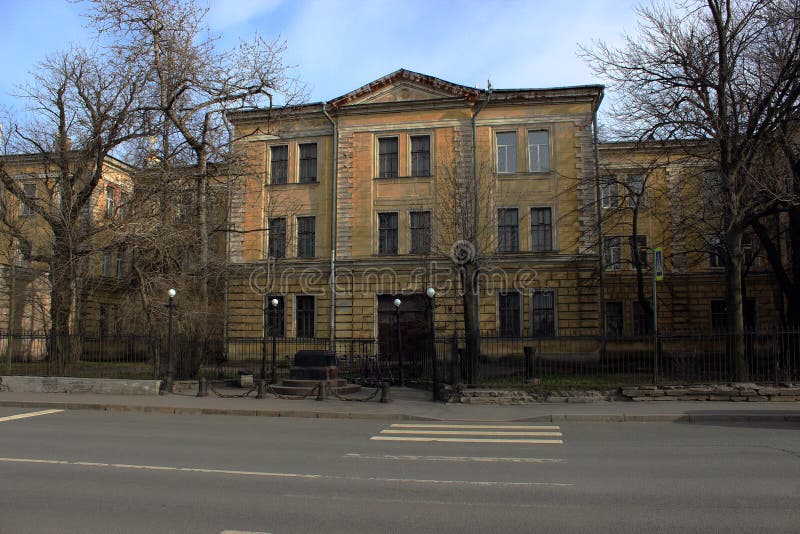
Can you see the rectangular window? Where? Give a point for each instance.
(539, 151)
(420, 155)
(387, 233)
(279, 164)
(111, 204)
(642, 319)
(608, 192)
(276, 317)
(611, 250)
(635, 190)
(277, 237)
(614, 318)
(506, 152)
(509, 314)
(121, 263)
(30, 193)
(387, 157)
(107, 264)
(124, 205)
(542, 229)
(420, 232)
(507, 230)
(544, 313)
(716, 253)
(306, 237)
(304, 315)
(719, 316)
(748, 250)
(308, 163)
(639, 249)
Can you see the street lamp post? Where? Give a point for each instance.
(400, 362)
(273, 327)
(431, 294)
(170, 352)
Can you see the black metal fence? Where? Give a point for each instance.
(565, 361)
(580, 361)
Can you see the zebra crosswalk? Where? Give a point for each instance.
(473, 433)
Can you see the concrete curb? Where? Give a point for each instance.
(551, 418)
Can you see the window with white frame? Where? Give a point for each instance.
(612, 252)
(609, 196)
(111, 201)
(29, 190)
(716, 252)
(506, 152)
(635, 190)
(538, 151)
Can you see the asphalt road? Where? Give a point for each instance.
(86, 471)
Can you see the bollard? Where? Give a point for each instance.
(321, 391)
(262, 389)
(385, 391)
(202, 387)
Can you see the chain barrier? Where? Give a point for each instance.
(224, 396)
(357, 399)
(314, 391)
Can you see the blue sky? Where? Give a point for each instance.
(338, 46)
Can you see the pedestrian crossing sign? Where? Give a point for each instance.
(658, 263)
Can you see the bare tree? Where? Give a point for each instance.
(463, 232)
(192, 86)
(83, 108)
(697, 72)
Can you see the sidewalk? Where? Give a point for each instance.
(411, 404)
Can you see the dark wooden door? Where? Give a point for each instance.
(414, 327)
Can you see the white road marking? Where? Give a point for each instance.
(461, 433)
(495, 427)
(281, 475)
(241, 532)
(467, 440)
(471, 433)
(414, 458)
(27, 415)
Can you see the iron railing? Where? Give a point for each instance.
(562, 361)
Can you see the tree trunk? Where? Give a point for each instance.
(472, 333)
(733, 298)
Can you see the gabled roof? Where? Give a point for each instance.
(410, 85)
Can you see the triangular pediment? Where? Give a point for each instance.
(405, 86)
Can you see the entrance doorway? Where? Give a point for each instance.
(415, 330)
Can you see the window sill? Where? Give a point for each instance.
(524, 174)
(401, 178)
(292, 184)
